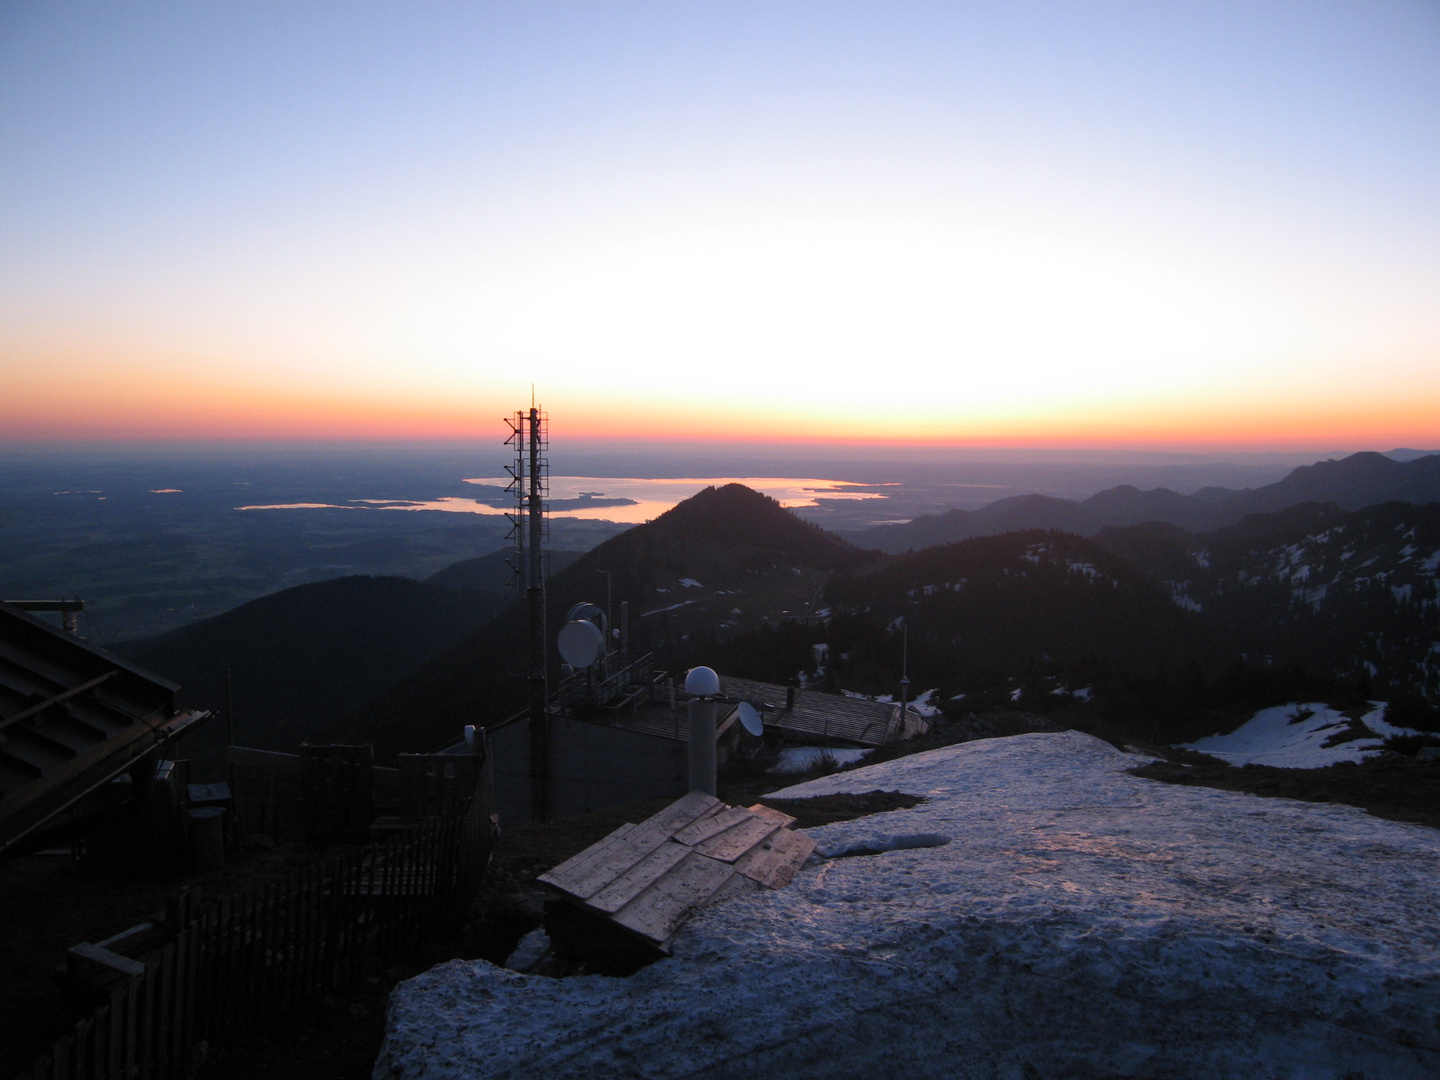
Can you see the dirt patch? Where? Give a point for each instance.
(1390, 787)
(820, 810)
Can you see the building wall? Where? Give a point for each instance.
(592, 766)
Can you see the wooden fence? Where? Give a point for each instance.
(232, 959)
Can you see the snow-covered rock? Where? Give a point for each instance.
(1081, 922)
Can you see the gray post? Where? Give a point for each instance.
(702, 684)
(702, 745)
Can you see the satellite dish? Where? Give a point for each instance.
(581, 643)
(590, 613)
(750, 719)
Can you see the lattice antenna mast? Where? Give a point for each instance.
(519, 491)
(529, 481)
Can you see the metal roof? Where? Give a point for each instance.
(819, 715)
(72, 716)
(816, 716)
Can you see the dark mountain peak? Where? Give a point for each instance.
(718, 505)
(735, 516)
(1362, 479)
(1362, 463)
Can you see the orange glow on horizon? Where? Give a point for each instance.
(175, 401)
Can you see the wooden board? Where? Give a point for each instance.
(771, 814)
(659, 910)
(595, 871)
(774, 862)
(649, 878)
(738, 839)
(736, 885)
(559, 874)
(708, 826)
(638, 878)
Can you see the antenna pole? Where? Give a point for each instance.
(904, 668)
(229, 729)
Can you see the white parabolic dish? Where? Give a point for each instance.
(581, 643)
(750, 719)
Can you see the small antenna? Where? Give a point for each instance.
(904, 666)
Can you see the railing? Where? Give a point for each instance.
(238, 957)
(585, 684)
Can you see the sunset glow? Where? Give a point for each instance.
(1063, 225)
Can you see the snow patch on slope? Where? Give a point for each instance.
(1272, 737)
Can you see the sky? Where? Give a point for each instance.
(1180, 226)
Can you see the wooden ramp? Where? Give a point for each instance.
(649, 878)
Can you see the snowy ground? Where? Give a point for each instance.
(1271, 737)
(1080, 922)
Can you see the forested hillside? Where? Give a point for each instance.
(304, 657)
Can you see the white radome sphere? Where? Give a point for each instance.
(702, 682)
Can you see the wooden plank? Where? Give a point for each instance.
(657, 912)
(736, 886)
(774, 862)
(559, 874)
(594, 874)
(707, 827)
(638, 878)
(738, 839)
(771, 814)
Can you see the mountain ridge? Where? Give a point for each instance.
(1351, 483)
